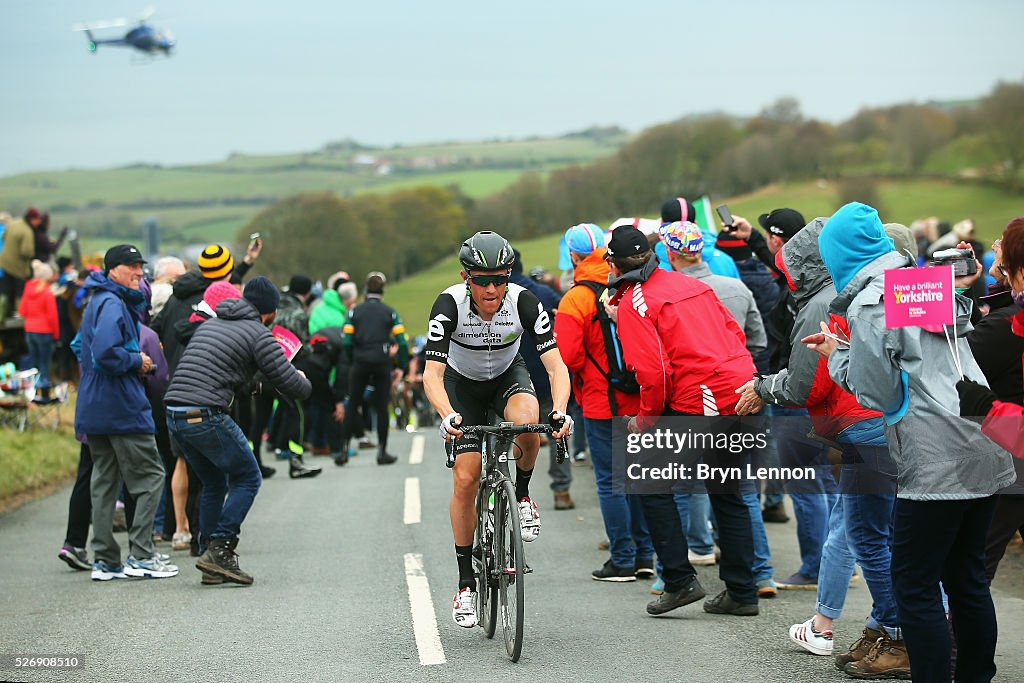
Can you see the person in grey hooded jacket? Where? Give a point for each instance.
(947, 469)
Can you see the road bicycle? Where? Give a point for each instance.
(498, 558)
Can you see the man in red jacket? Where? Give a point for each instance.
(687, 351)
(582, 346)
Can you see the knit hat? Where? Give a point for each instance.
(584, 238)
(300, 284)
(215, 263)
(673, 210)
(262, 294)
(214, 294)
(682, 237)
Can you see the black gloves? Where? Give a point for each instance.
(975, 399)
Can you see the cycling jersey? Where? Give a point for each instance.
(483, 349)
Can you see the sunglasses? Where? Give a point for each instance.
(486, 280)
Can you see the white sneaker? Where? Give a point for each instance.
(154, 567)
(101, 571)
(181, 541)
(815, 642)
(529, 519)
(700, 560)
(464, 608)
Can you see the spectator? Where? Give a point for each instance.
(581, 344)
(680, 209)
(45, 247)
(561, 473)
(293, 314)
(947, 469)
(330, 312)
(16, 259)
(113, 412)
(684, 244)
(165, 272)
(223, 354)
(659, 342)
(39, 309)
(371, 328)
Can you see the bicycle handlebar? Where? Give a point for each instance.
(507, 431)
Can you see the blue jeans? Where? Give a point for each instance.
(40, 349)
(812, 498)
(694, 514)
(763, 570)
(628, 538)
(217, 450)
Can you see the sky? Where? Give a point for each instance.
(261, 77)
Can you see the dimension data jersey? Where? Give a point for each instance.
(483, 349)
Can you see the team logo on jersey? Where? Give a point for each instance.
(435, 329)
(543, 324)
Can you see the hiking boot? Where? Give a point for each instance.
(529, 519)
(211, 579)
(563, 501)
(221, 559)
(384, 458)
(815, 642)
(300, 470)
(76, 558)
(644, 568)
(723, 603)
(860, 648)
(152, 568)
(667, 601)
(365, 444)
(798, 582)
(774, 514)
(267, 472)
(612, 572)
(341, 459)
(887, 659)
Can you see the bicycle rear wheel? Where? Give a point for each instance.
(486, 581)
(511, 568)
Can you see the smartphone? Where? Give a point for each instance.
(725, 216)
(842, 342)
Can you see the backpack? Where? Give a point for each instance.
(618, 377)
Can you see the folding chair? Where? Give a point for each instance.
(16, 394)
(47, 414)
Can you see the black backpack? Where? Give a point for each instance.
(619, 378)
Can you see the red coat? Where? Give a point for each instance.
(576, 333)
(39, 308)
(687, 349)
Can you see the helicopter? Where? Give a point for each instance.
(143, 37)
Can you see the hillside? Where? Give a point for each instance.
(907, 200)
(209, 202)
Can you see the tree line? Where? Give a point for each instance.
(408, 230)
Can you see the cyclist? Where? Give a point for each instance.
(473, 364)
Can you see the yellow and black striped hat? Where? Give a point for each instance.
(215, 263)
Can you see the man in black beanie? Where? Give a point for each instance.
(225, 353)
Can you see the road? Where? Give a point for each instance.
(334, 559)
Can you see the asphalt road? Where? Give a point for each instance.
(332, 598)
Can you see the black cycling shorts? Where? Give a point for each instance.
(473, 398)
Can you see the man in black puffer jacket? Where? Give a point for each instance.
(224, 353)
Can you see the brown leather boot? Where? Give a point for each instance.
(860, 648)
(887, 659)
(563, 501)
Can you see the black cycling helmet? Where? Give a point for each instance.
(486, 250)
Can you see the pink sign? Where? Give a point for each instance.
(288, 341)
(919, 297)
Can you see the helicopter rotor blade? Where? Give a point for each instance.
(93, 25)
(150, 11)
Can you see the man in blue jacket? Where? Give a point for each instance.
(114, 414)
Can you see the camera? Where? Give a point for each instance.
(962, 260)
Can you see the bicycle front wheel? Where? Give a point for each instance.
(486, 577)
(511, 566)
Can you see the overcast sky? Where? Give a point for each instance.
(267, 77)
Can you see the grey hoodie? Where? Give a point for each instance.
(814, 292)
(939, 455)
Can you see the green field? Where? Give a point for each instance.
(203, 203)
(990, 207)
